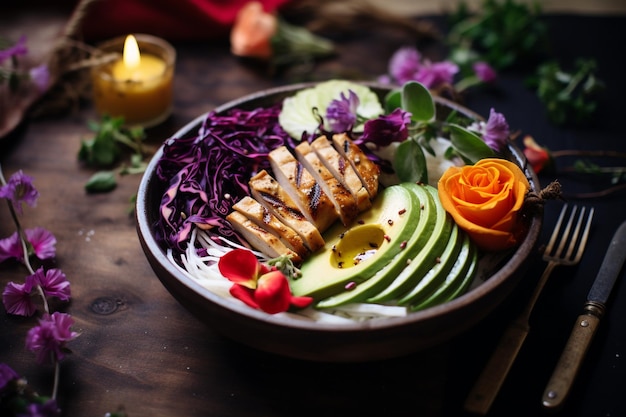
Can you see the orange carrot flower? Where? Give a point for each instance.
(485, 200)
(259, 286)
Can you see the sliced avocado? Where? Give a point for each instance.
(457, 281)
(423, 260)
(421, 234)
(437, 273)
(353, 254)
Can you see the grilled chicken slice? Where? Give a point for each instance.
(303, 188)
(261, 216)
(342, 170)
(345, 203)
(260, 238)
(267, 191)
(364, 167)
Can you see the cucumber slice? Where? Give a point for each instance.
(297, 115)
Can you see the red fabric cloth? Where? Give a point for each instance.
(169, 19)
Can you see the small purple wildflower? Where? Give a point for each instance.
(341, 113)
(11, 248)
(17, 298)
(7, 374)
(496, 131)
(20, 189)
(53, 283)
(484, 72)
(19, 48)
(433, 74)
(48, 339)
(41, 240)
(40, 76)
(386, 129)
(404, 64)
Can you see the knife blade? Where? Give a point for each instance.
(577, 345)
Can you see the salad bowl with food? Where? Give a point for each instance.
(339, 221)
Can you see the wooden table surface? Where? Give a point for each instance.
(142, 350)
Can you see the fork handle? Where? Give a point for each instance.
(493, 375)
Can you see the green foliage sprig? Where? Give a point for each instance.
(568, 96)
(107, 147)
(504, 33)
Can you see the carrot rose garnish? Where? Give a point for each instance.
(485, 200)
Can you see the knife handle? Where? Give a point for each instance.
(572, 357)
(493, 375)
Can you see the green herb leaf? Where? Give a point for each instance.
(100, 182)
(417, 100)
(469, 145)
(393, 100)
(410, 162)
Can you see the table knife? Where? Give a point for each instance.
(585, 327)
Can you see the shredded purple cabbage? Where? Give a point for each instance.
(209, 173)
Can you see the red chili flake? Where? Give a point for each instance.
(401, 212)
(350, 286)
(403, 244)
(390, 222)
(387, 238)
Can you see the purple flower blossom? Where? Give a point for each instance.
(11, 247)
(484, 71)
(17, 298)
(437, 73)
(47, 409)
(20, 189)
(404, 64)
(19, 48)
(496, 132)
(7, 374)
(40, 76)
(341, 113)
(41, 240)
(48, 339)
(387, 129)
(407, 65)
(53, 283)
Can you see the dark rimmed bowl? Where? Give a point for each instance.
(361, 341)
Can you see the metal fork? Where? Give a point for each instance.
(491, 379)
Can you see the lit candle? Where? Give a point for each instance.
(138, 86)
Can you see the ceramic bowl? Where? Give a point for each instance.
(354, 342)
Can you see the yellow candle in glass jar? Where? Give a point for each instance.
(138, 86)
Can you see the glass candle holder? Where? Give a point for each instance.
(141, 94)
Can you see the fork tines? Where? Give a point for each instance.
(577, 241)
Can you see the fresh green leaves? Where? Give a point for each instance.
(409, 161)
(468, 145)
(568, 96)
(503, 34)
(106, 148)
(416, 99)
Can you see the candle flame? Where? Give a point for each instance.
(131, 52)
